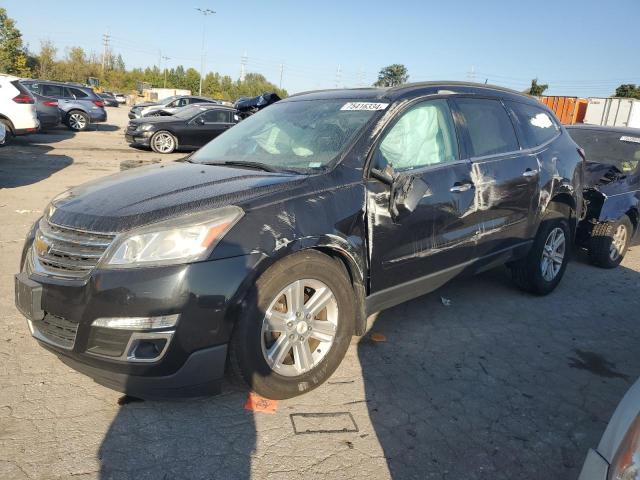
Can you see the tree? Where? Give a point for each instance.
(629, 90)
(392, 76)
(537, 89)
(46, 59)
(13, 55)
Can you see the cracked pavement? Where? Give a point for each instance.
(498, 385)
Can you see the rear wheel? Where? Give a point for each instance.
(9, 131)
(163, 142)
(609, 242)
(78, 121)
(296, 327)
(542, 269)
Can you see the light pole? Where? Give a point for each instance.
(205, 12)
(165, 70)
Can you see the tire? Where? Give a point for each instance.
(9, 131)
(163, 142)
(78, 121)
(609, 242)
(530, 273)
(252, 342)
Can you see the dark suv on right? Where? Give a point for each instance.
(80, 106)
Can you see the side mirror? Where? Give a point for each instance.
(406, 193)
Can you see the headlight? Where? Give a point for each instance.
(626, 463)
(186, 239)
(146, 127)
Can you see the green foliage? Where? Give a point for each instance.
(392, 76)
(537, 89)
(13, 56)
(628, 90)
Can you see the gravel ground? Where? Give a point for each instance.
(497, 385)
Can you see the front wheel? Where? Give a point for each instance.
(163, 142)
(609, 242)
(542, 269)
(296, 326)
(78, 121)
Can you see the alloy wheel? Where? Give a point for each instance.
(163, 142)
(77, 121)
(618, 242)
(553, 254)
(299, 327)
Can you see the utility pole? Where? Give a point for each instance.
(338, 76)
(205, 13)
(105, 43)
(471, 74)
(243, 66)
(165, 69)
(281, 72)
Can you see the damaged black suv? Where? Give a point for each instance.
(266, 250)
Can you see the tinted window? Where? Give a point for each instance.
(77, 93)
(216, 116)
(52, 91)
(490, 129)
(536, 126)
(620, 149)
(424, 135)
(34, 87)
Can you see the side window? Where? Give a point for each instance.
(52, 91)
(535, 125)
(490, 129)
(216, 116)
(424, 135)
(78, 93)
(34, 87)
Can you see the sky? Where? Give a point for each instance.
(579, 48)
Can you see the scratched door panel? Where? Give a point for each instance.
(435, 236)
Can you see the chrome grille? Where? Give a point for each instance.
(66, 252)
(55, 330)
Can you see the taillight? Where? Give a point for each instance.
(23, 98)
(582, 154)
(50, 103)
(98, 103)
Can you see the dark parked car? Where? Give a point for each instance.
(48, 112)
(271, 244)
(188, 129)
(109, 99)
(80, 106)
(612, 191)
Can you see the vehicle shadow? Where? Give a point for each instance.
(21, 170)
(52, 135)
(105, 127)
(478, 380)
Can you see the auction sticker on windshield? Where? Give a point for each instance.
(367, 106)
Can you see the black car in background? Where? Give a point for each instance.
(109, 99)
(612, 191)
(47, 110)
(188, 129)
(271, 244)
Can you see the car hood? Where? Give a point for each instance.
(146, 195)
(145, 104)
(602, 176)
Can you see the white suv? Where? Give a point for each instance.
(17, 107)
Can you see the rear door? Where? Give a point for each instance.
(505, 178)
(425, 247)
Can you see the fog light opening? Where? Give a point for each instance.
(148, 349)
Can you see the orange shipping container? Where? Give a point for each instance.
(569, 110)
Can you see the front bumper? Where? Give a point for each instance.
(138, 138)
(206, 295)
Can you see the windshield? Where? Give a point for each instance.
(188, 112)
(610, 148)
(166, 100)
(306, 134)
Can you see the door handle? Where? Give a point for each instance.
(530, 173)
(461, 187)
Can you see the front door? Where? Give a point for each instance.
(424, 247)
(207, 126)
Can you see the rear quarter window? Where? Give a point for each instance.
(535, 125)
(488, 125)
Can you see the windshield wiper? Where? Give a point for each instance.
(243, 163)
